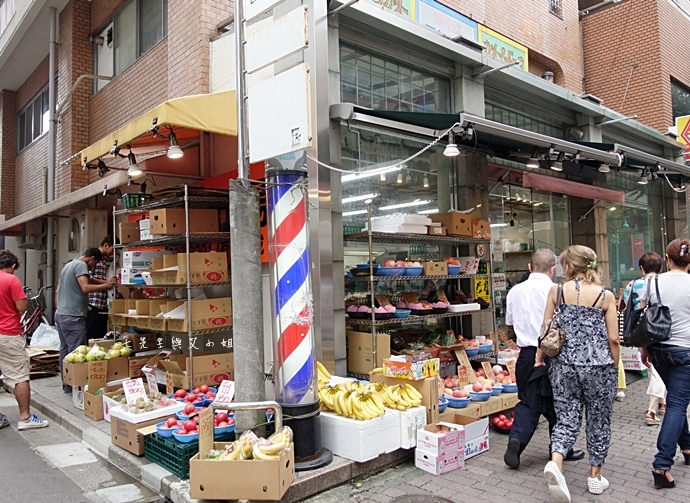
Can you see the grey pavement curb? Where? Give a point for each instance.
(159, 479)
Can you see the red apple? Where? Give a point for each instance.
(189, 409)
(189, 425)
(464, 393)
(191, 397)
(457, 393)
(180, 393)
(221, 416)
(171, 422)
(389, 263)
(476, 387)
(203, 389)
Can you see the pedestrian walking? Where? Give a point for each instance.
(70, 315)
(97, 314)
(14, 357)
(525, 306)
(671, 359)
(585, 371)
(650, 264)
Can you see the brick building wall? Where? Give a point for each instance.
(647, 34)
(553, 41)
(8, 151)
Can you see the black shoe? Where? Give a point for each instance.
(67, 389)
(575, 455)
(661, 481)
(512, 455)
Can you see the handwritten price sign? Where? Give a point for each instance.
(151, 380)
(488, 371)
(226, 392)
(134, 389)
(205, 432)
(97, 375)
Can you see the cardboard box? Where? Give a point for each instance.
(140, 258)
(411, 370)
(359, 440)
(164, 270)
(432, 440)
(508, 400)
(435, 268)
(456, 224)
(129, 232)
(208, 369)
(429, 389)
(75, 374)
(206, 314)
(481, 229)
(109, 404)
(136, 363)
(124, 434)
(167, 221)
(359, 354)
(78, 395)
(411, 420)
(436, 230)
(438, 465)
(250, 480)
(93, 403)
(211, 267)
(118, 368)
(476, 434)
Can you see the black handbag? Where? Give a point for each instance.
(628, 317)
(654, 323)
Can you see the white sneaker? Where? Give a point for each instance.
(620, 396)
(556, 482)
(597, 486)
(33, 421)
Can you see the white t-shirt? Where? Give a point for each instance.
(674, 288)
(525, 305)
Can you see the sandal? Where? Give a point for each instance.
(661, 409)
(651, 418)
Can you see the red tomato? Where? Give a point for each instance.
(221, 416)
(189, 425)
(171, 423)
(502, 417)
(189, 408)
(500, 423)
(203, 389)
(196, 419)
(191, 397)
(180, 393)
(210, 394)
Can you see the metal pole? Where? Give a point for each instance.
(52, 154)
(243, 158)
(372, 293)
(190, 369)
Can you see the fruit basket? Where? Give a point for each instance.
(471, 351)
(457, 403)
(442, 404)
(485, 348)
(477, 396)
(359, 315)
(401, 313)
(453, 269)
(510, 388)
(183, 437)
(164, 431)
(502, 424)
(363, 269)
(390, 271)
(413, 270)
(496, 390)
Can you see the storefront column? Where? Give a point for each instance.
(602, 245)
(469, 91)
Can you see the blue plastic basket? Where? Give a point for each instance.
(453, 269)
(496, 390)
(401, 313)
(185, 439)
(165, 432)
(472, 351)
(442, 404)
(457, 403)
(390, 271)
(413, 271)
(485, 348)
(480, 396)
(510, 388)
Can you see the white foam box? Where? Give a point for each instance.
(147, 416)
(432, 440)
(140, 259)
(476, 434)
(438, 465)
(359, 440)
(78, 397)
(411, 420)
(127, 274)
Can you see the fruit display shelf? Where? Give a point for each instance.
(177, 202)
(193, 285)
(413, 238)
(179, 239)
(174, 455)
(414, 278)
(483, 356)
(411, 318)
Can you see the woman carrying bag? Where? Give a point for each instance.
(584, 373)
(671, 359)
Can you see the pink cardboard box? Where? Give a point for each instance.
(438, 464)
(441, 439)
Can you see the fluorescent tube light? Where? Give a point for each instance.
(358, 198)
(356, 212)
(416, 202)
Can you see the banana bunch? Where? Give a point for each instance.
(402, 397)
(327, 395)
(363, 405)
(324, 376)
(271, 447)
(377, 370)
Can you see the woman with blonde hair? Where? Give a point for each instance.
(585, 372)
(671, 359)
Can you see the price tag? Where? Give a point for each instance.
(205, 432)
(511, 367)
(226, 392)
(464, 366)
(98, 370)
(169, 388)
(151, 380)
(134, 389)
(488, 371)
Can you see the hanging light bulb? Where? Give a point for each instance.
(174, 150)
(408, 178)
(643, 180)
(604, 168)
(451, 149)
(426, 181)
(399, 179)
(133, 170)
(533, 163)
(382, 177)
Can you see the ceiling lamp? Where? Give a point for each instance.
(133, 170)
(174, 150)
(643, 180)
(556, 166)
(382, 177)
(451, 149)
(399, 179)
(426, 181)
(604, 168)
(533, 163)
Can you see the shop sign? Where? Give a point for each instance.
(683, 128)
(499, 282)
(446, 21)
(406, 8)
(253, 8)
(502, 48)
(481, 289)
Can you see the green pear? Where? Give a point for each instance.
(82, 349)
(117, 345)
(79, 358)
(125, 351)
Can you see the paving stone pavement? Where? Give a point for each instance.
(486, 478)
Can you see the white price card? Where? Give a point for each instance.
(134, 389)
(151, 380)
(226, 392)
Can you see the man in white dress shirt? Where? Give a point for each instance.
(525, 305)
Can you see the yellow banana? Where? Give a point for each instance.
(413, 391)
(269, 448)
(377, 370)
(337, 407)
(376, 398)
(402, 400)
(258, 454)
(411, 397)
(323, 371)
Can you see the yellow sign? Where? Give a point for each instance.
(683, 129)
(481, 289)
(501, 47)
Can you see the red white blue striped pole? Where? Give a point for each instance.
(291, 296)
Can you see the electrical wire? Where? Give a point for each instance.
(675, 189)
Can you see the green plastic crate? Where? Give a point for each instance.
(174, 455)
(135, 199)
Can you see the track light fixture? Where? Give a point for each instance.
(133, 170)
(552, 150)
(382, 177)
(604, 168)
(426, 181)
(174, 150)
(469, 131)
(102, 168)
(400, 178)
(557, 165)
(451, 149)
(533, 162)
(643, 180)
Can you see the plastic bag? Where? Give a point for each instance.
(45, 336)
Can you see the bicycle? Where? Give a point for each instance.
(33, 316)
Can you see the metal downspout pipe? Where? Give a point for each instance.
(52, 145)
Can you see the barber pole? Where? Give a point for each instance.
(291, 296)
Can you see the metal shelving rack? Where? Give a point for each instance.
(186, 201)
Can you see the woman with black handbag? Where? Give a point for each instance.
(671, 359)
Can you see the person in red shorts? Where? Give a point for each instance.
(14, 357)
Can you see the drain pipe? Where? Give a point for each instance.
(52, 145)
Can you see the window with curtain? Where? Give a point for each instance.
(33, 120)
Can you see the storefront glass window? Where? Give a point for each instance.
(680, 99)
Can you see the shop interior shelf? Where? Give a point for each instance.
(193, 285)
(412, 238)
(209, 331)
(413, 278)
(177, 202)
(483, 356)
(179, 239)
(411, 318)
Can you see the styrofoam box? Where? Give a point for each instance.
(140, 259)
(440, 443)
(410, 421)
(78, 397)
(359, 440)
(437, 465)
(146, 416)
